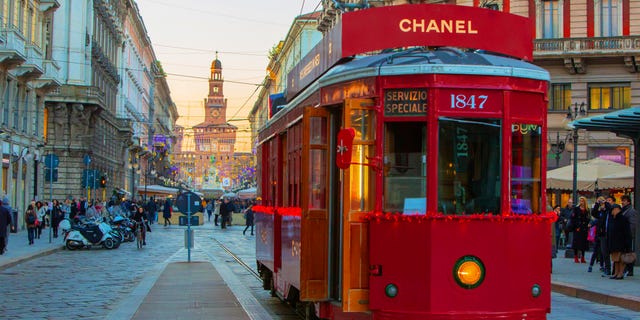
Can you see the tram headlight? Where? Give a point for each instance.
(469, 272)
(391, 290)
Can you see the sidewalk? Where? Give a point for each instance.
(572, 279)
(19, 249)
(568, 278)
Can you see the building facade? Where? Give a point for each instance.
(27, 73)
(64, 68)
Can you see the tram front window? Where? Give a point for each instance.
(405, 168)
(469, 165)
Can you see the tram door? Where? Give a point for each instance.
(315, 199)
(358, 199)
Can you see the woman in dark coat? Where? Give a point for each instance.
(579, 224)
(57, 217)
(619, 240)
(166, 212)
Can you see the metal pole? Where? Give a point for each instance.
(50, 196)
(189, 226)
(575, 166)
(557, 151)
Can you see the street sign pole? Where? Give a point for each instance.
(51, 162)
(189, 226)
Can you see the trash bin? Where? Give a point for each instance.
(14, 221)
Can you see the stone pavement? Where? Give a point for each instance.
(572, 279)
(568, 278)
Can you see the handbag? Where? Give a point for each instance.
(591, 237)
(629, 257)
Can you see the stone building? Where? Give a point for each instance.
(102, 116)
(27, 73)
(211, 161)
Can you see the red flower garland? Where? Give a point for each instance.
(510, 217)
(283, 211)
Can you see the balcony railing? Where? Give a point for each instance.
(597, 46)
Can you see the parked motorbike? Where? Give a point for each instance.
(124, 227)
(88, 235)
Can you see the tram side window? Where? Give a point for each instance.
(405, 170)
(525, 168)
(469, 165)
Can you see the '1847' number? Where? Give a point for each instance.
(462, 101)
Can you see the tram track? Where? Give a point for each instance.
(238, 260)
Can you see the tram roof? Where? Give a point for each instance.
(444, 60)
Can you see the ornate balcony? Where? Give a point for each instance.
(32, 68)
(12, 50)
(574, 51)
(78, 94)
(586, 47)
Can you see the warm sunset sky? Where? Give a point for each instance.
(186, 34)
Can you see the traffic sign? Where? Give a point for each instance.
(86, 160)
(189, 202)
(51, 161)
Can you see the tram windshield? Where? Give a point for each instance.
(405, 168)
(469, 165)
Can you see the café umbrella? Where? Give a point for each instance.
(593, 174)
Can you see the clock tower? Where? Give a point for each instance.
(215, 103)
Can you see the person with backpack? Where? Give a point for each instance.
(31, 218)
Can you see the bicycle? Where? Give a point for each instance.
(139, 234)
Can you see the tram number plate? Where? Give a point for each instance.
(472, 101)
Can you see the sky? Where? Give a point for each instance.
(186, 35)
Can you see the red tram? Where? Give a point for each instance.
(407, 184)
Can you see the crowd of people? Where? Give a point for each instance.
(609, 227)
(41, 215)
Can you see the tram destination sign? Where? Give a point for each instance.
(405, 102)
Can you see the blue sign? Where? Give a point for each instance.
(51, 161)
(86, 160)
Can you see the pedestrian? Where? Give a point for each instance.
(216, 211)
(14, 223)
(73, 209)
(631, 214)
(31, 219)
(5, 224)
(619, 237)
(599, 213)
(152, 209)
(57, 215)
(91, 211)
(579, 225)
(248, 217)
(566, 213)
(209, 209)
(166, 212)
(226, 210)
(559, 225)
(41, 211)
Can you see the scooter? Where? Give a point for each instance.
(76, 236)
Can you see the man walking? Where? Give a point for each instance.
(631, 214)
(226, 209)
(5, 223)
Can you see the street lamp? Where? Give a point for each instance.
(573, 114)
